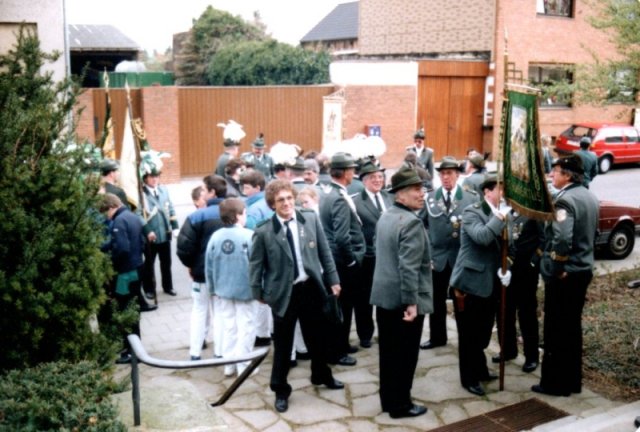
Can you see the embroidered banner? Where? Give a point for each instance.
(525, 185)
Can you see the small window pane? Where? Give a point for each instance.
(563, 8)
(546, 77)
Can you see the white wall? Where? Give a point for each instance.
(47, 16)
(353, 72)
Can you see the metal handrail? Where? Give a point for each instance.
(140, 355)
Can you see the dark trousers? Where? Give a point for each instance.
(151, 250)
(350, 284)
(562, 359)
(305, 305)
(399, 343)
(438, 318)
(521, 298)
(362, 308)
(474, 319)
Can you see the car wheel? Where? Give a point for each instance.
(621, 242)
(604, 164)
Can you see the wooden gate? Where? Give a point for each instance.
(450, 105)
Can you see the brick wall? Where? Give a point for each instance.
(534, 38)
(85, 128)
(160, 113)
(391, 107)
(426, 26)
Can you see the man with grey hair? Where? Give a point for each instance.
(311, 172)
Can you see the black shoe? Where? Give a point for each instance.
(125, 358)
(196, 358)
(345, 361)
(365, 343)
(262, 341)
(171, 292)
(331, 383)
(537, 388)
(475, 389)
(303, 356)
(489, 377)
(146, 307)
(429, 345)
(282, 404)
(637, 422)
(496, 358)
(352, 349)
(293, 363)
(150, 295)
(529, 367)
(414, 411)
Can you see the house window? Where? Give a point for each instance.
(554, 81)
(562, 8)
(621, 86)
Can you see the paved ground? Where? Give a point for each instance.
(177, 400)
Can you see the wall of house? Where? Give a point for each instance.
(391, 107)
(47, 17)
(426, 26)
(533, 38)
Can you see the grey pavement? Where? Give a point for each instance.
(178, 400)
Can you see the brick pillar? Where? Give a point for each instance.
(161, 124)
(84, 123)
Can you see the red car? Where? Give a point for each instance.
(613, 143)
(618, 226)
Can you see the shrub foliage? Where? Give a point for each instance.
(52, 272)
(58, 397)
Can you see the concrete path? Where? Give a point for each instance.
(178, 400)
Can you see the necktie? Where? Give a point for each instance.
(447, 201)
(378, 204)
(293, 249)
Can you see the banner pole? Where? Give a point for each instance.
(505, 234)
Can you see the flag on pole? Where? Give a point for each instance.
(129, 180)
(107, 143)
(525, 185)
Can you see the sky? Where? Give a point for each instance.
(151, 23)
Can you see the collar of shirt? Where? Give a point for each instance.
(372, 197)
(282, 221)
(453, 191)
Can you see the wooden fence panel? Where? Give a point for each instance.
(290, 114)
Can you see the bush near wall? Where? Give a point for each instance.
(58, 396)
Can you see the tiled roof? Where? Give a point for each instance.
(341, 23)
(99, 38)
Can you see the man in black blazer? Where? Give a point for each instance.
(291, 269)
(370, 204)
(342, 227)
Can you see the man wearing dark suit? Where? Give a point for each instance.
(370, 204)
(424, 155)
(342, 227)
(475, 283)
(567, 269)
(291, 269)
(402, 293)
(443, 217)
